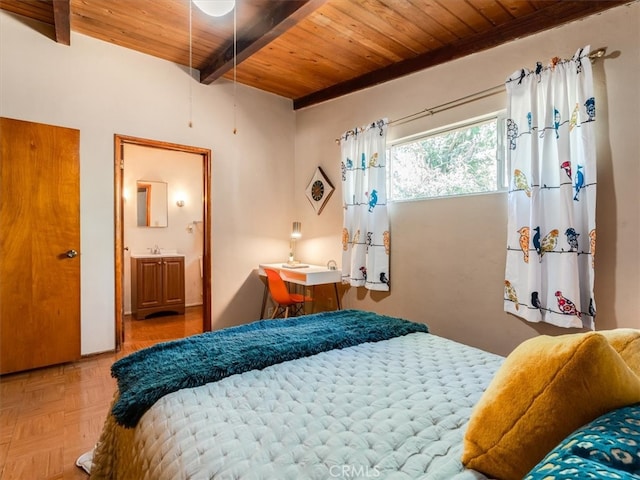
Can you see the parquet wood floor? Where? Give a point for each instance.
(50, 416)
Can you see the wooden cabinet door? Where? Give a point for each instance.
(39, 245)
(173, 281)
(149, 283)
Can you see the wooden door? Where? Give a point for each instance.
(39, 245)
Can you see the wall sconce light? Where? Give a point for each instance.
(180, 203)
(215, 8)
(296, 233)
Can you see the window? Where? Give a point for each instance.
(463, 159)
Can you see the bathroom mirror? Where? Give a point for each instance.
(152, 203)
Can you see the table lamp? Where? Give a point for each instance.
(296, 233)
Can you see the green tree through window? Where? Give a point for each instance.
(459, 161)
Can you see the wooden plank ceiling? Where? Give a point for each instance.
(307, 50)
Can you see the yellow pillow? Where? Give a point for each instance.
(626, 341)
(545, 389)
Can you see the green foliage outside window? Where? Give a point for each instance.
(453, 162)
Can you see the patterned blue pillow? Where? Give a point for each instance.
(608, 447)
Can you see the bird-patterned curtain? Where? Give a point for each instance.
(365, 233)
(551, 241)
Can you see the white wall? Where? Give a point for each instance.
(448, 255)
(102, 89)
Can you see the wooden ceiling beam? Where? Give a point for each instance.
(283, 16)
(542, 20)
(62, 21)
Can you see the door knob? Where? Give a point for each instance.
(71, 253)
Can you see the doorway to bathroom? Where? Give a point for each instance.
(182, 225)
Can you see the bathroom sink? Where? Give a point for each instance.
(163, 253)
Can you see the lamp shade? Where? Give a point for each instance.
(296, 230)
(215, 8)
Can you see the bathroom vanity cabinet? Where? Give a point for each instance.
(157, 285)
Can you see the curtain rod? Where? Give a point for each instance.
(593, 56)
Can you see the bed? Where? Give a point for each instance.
(370, 396)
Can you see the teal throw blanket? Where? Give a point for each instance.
(147, 375)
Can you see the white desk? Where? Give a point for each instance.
(307, 276)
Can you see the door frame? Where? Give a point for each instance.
(119, 142)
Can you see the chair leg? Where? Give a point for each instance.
(281, 309)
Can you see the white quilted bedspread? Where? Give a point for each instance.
(395, 409)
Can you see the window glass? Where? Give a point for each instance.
(461, 160)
